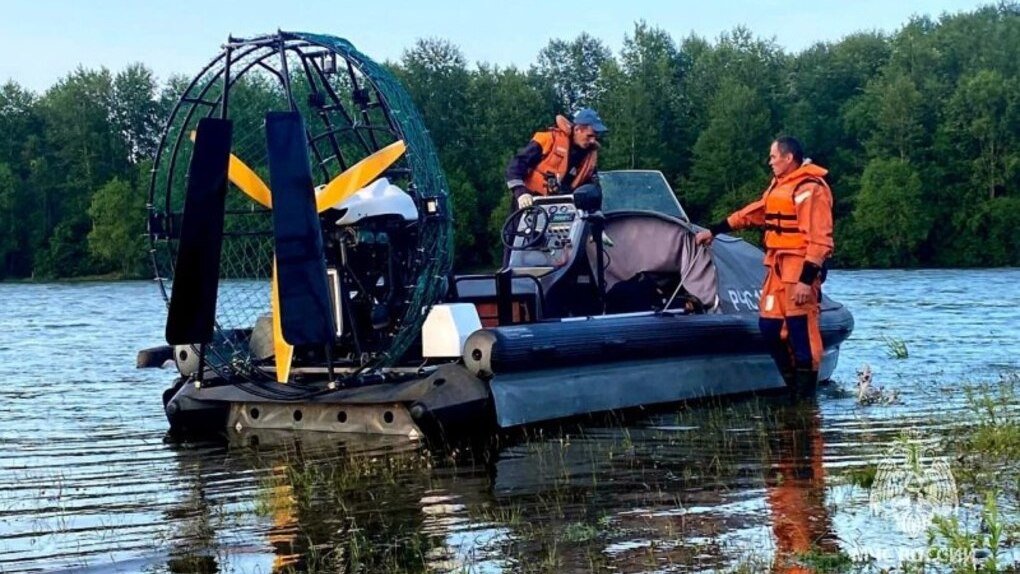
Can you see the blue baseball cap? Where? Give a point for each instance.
(588, 117)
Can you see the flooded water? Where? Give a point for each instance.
(89, 483)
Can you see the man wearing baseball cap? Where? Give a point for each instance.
(558, 159)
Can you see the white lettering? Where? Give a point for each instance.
(744, 300)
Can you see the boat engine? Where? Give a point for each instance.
(373, 234)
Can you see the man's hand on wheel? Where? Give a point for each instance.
(525, 200)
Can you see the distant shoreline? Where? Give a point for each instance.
(119, 277)
(100, 278)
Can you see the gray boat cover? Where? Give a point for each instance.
(646, 242)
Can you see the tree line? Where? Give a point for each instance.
(920, 130)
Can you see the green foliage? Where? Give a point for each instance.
(574, 71)
(997, 432)
(889, 221)
(495, 227)
(8, 220)
(135, 111)
(65, 254)
(435, 74)
(643, 106)
(984, 118)
(463, 200)
(728, 166)
(862, 477)
(920, 130)
(116, 239)
(577, 532)
(888, 117)
(821, 560)
(966, 549)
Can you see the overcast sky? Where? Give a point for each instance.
(42, 40)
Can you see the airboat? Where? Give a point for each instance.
(301, 236)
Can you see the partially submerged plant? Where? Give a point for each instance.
(825, 560)
(896, 348)
(863, 477)
(969, 550)
(995, 429)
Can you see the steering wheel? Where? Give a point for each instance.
(536, 222)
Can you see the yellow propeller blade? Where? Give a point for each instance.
(247, 180)
(283, 351)
(340, 188)
(358, 176)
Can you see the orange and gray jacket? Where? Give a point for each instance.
(550, 164)
(796, 212)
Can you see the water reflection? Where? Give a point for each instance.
(696, 489)
(315, 500)
(193, 539)
(795, 487)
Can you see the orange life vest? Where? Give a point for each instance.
(555, 144)
(782, 230)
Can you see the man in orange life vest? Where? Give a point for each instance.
(556, 160)
(796, 212)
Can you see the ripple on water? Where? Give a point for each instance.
(87, 480)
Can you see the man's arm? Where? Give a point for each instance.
(814, 217)
(753, 214)
(520, 166)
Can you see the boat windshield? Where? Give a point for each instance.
(639, 191)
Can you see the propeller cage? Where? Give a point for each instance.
(351, 108)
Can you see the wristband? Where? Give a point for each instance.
(809, 273)
(721, 227)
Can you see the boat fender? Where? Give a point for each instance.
(260, 344)
(186, 358)
(478, 353)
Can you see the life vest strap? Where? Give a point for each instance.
(782, 216)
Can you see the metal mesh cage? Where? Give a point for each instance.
(352, 108)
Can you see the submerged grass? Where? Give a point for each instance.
(970, 550)
(614, 496)
(987, 442)
(863, 477)
(821, 560)
(326, 515)
(997, 430)
(987, 469)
